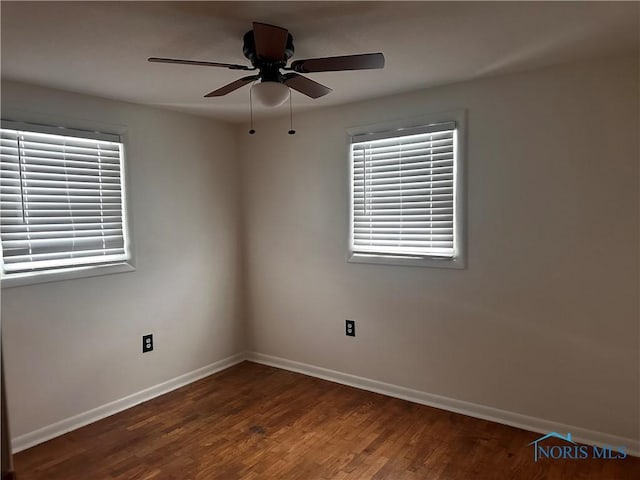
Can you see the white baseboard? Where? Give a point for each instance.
(41, 435)
(504, 417)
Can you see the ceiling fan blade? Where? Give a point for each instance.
(306, 86)
(230, 66)
(365, 61)
(270, 41)
(230, 87)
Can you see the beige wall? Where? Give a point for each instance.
(71, 346)
(545, 319)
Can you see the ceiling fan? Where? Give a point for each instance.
(269, 48)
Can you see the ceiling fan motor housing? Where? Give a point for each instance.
(269, 68)
(249, 49)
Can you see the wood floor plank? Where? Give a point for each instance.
(253, 422)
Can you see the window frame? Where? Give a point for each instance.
(43, 124)
(458, 261)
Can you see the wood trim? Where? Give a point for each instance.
(66, 425)
(259, 422)
(504, 417)
(6, 461)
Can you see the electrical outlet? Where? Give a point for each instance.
(350, 328)
(147, 343)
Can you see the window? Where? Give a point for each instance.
(62, 203)
(406, 195)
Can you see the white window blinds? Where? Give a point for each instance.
(403, 198)
(62, 199)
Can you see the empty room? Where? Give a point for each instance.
(320, 240)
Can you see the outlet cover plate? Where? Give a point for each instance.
(147, 343)
(350, 328)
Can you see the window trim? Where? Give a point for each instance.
(43, 123)
(458, 261)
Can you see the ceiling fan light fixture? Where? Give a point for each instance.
(271, 94)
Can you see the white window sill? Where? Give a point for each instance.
(31, 278)
(437, 262)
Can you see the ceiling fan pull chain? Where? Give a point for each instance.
(252, 131)
(291, 131)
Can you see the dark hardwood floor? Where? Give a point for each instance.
(255, 422)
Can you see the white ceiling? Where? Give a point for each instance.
(101, 48)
